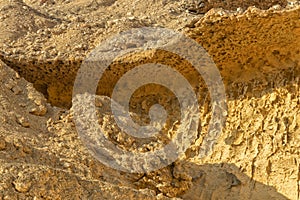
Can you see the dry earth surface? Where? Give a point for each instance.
(256, 49)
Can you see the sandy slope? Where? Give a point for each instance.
(257, 53)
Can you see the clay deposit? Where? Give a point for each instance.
(256, 50)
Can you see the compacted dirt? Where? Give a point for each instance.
(255, 46)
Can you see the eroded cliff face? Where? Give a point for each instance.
(258, 57)
(256, 52)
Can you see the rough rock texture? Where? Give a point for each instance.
(258, 56)
(256, 51)
(42, 157)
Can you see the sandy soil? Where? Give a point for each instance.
(44, 42)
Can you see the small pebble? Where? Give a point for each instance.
(2, 144)
(21, 186)
(17, 90)
(22, 121)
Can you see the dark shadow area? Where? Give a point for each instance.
(202, 6)
(38, 13)
(225, 181)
